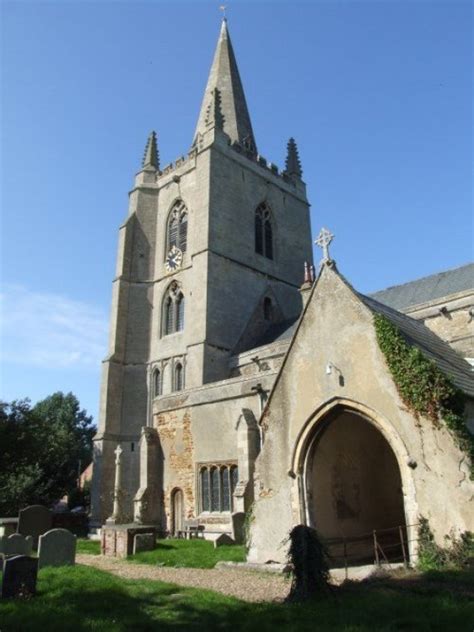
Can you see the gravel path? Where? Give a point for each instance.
(243, 584)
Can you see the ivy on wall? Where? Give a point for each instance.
(423, 387)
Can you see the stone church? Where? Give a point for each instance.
(243, 387)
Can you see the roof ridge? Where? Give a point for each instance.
(428, 276)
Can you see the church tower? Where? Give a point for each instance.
(211, 254)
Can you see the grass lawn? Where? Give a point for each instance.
(82, 599)
(90, 547)
(178, 553)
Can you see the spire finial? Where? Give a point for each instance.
(323, 240)
(223, 8)
(293, 164)
(151, 157)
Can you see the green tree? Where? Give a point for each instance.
(42, 449)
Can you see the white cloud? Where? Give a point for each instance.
(50, 330)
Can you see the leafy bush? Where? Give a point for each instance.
(455, 555)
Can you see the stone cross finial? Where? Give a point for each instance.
(223, 8)
(118, 453)
(323, 240)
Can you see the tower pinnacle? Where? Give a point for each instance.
(224, 76)
(150, 157)
(293, 164)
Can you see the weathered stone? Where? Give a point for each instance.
(143, 542)
(57, 548)
(34, 520)
(118, 540)
(19, 577)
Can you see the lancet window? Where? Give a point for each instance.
(157, 383)
(173, 310)
(178, 377)
(217, 483)
(264, 231)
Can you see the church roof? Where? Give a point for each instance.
(433, 347)
(224, 76)
(428, 288)
(414, 331)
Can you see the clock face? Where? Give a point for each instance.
(174, 258)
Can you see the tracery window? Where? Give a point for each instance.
(217, 485)
(264, 231)
(173, 310)
(178, 226)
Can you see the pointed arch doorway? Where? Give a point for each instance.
(177, 511)
(353, 488)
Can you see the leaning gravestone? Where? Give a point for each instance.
(19, 577)
(34, 520)
(143, 542)
(57, 548)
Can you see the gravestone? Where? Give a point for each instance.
(16, 544)
(34, 520)
(223, 539)
(238, 527)
(19, 577)
(57, 548)
(143, 542)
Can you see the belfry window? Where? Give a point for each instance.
(179, 312)
(217, 485)
(263, 231)
(173, 310)
(178, 227)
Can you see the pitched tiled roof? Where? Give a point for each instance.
(277, 333)
(417, 334)
(428, 288)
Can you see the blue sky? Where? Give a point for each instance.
(377, 95)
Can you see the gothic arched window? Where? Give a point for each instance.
(179, 312)
(178, 227)
(263, 231)
(157, 383)
(168, 316)
(173, 310)
(178, 377)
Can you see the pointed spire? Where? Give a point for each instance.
(293, 164)
(224, 76)
(150, 157)
(214, 115)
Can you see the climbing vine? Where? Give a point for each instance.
(424, 389)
